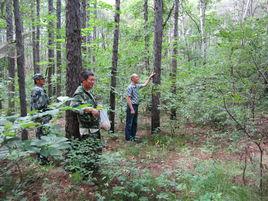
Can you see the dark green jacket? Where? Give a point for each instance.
(81, 100)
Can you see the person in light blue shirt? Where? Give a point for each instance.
(132, 98)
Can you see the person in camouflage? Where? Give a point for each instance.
(39, 102)
(85, 106)
(39, 98)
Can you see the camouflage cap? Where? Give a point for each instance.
(38, 76)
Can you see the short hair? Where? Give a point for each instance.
(85, 74)
(133, 75)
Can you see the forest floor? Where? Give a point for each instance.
(193, 144)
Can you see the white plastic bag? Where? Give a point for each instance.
(104, 120)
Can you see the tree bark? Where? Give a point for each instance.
(158, 35)
(11, 61)
(94, 31)
(114, 64)
(74, 61)
(202, 10)
(58, 48)
(146, 36)
(248, 10)
(84, 6)
(51, 65)
(20, 63)
(174, 56)
(36, 68)
(37, 43)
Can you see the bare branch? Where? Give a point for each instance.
(192, 18)
(169, 14)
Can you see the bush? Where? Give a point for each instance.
(83, 157)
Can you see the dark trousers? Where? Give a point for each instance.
(131, 123)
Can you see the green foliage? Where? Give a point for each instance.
(123, 179)
(2, 23)
(211, 180)
(83, 158)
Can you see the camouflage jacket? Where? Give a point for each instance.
(80, 98)
(39, 99)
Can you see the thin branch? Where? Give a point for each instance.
(235, 120)
(259, 71)
(192, 18)
(169, 14)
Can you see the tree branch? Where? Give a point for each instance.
(192, 18)
(169, 14)
(234, 119)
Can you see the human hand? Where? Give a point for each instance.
(132, 111)
(91, 110)
(88, 110)
(95, 113)
(152, 74)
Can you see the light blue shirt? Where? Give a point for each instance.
(133, 92)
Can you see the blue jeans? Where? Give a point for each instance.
(131, 123)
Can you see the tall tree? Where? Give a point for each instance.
(74, 61)
(202, 10)
(146, 36)
(20, 63)
(11, 61)
(37, 42)
(58, 48)
(174, 55)
(51, 66)
(84, 24)
(84, 6)
(94, 31)
(114, 63)
(158, 35)
(248, 9)
(36, 67)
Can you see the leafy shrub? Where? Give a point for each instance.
(83, 157)
(124, 180)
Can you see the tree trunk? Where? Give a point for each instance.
(84, 6)
(114, 64)
(51, 66)
(158, 33)
(11, 61)
(202, 9)
(36, 68)
(84, 16)
(103, 44)
(246, 11)
(58, 47)
(20, 63)
(94, 31)
(74, 61)
(37, 43)
(146, 37)
(174, 56)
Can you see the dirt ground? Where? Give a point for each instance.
(58, 179)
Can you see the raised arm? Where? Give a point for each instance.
(148, 79)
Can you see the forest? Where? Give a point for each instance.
(202, 124)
